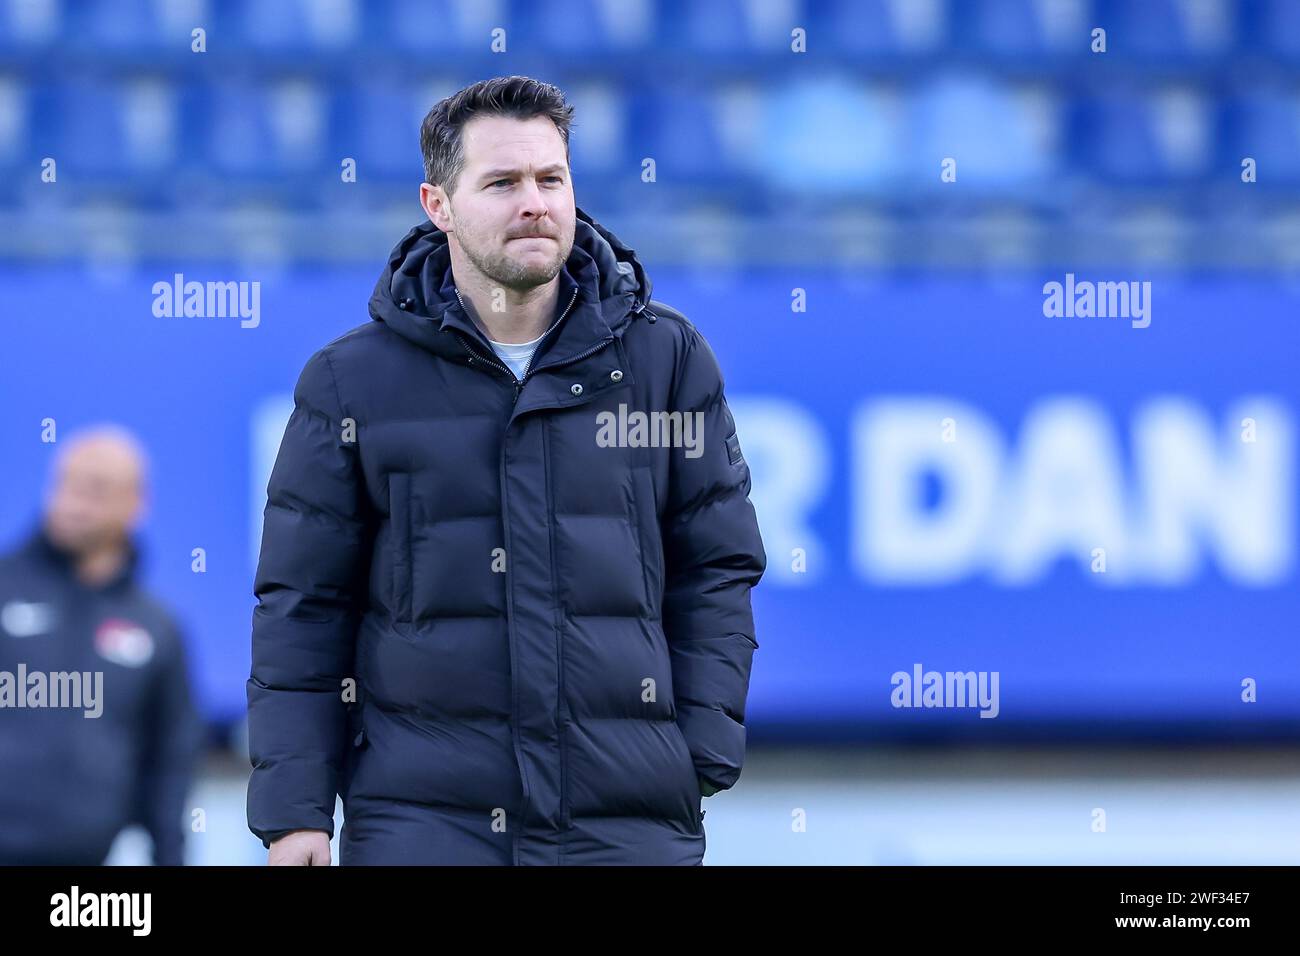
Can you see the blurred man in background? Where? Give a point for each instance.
(73, 615)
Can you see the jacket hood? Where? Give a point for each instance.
(416, 295)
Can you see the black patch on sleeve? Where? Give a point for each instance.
(733, 449)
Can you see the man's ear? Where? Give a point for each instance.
(436, 206)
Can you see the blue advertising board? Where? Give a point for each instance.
(1080, 522)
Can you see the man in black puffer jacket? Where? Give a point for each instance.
(504, 587)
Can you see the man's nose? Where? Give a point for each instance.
(534, 205)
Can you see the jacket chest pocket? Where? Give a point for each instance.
(399, 518)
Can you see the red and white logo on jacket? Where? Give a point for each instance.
(123, 642)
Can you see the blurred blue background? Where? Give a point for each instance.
(862, 305)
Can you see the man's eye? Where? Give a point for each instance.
(499, 182)
(555, 179)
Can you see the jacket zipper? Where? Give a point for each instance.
(493, 362)
(529, 367)
(490, 360)
(561, 703)
(505, 518)
(519, 382)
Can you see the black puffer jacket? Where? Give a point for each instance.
(546, 611)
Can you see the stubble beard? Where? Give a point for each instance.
(501, 269)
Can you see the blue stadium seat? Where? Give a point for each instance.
(1265, 126)
(1028, 27)
(27, 25)
(569, 26)
(1143, 139)
(598, 142)
(999, 138)
(1119, 141)
(120, 24)
(91, 135)
(1174, 28)
(461, 26)
(300, 24)
(239, 134)
(1277, 27)
(879, 26)
(379, 126)
(681, 136)
(830, 136)
(18, 124)
(723, 26)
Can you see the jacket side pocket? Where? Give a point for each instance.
(399, 516)
(356, 741)
(646, 513)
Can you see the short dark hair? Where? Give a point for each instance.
(521, 97)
